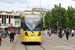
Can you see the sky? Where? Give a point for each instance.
(22, 5)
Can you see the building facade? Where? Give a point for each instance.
(6, 19)
(10, 18)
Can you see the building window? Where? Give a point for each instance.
(11, 16)
(16, 22)
(5, 19)
(0, 16)
(9, 19)
(7, 16)
(17, 17)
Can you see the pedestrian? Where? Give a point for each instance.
(9, 33)
(12, 36)
(49, 32)
(70, 33)
(0, 39)
(67, 34)
(63, 33)
(5, 34)
(58, 33)
(46, 31)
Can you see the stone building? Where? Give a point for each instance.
(10, 18)
(6, 19)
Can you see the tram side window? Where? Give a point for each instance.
(24, 26)
(21, 25)
(22, 22)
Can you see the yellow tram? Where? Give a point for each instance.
(31, 27)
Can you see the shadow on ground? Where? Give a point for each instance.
(31, 43)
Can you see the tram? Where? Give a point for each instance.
(31, 27)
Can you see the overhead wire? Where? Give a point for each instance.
(30, 6)
(67, 2)
(55, 3)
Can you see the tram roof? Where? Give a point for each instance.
(30, 13)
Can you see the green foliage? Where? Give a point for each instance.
(67, 17)
(46, 20)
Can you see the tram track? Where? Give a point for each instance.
(64, 40)
(56, 40)
(25, 47)
(32, 46)
(62, 43)
(42, 47)
(61, 40)
(52, 39)
(15, 44)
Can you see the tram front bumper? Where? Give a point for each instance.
(32, 39)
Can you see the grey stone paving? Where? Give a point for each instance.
(52, 42)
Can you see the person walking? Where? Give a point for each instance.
(67, 34)
(12, 37)
(5, 34)
(49, 32)
(0, 39)
(9, 33)
(63, 33)
(46, 31)
(70, 33)
(58, 33)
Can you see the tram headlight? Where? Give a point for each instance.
(39, 34)
(26, 34)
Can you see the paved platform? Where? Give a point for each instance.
(6, 44)
(52, 42)
(56, 43)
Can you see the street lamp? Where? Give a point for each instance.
(60, 21)
(57, 27)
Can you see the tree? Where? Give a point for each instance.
(64, 19)
(70, 16)
(54, 17)
(46, 20)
